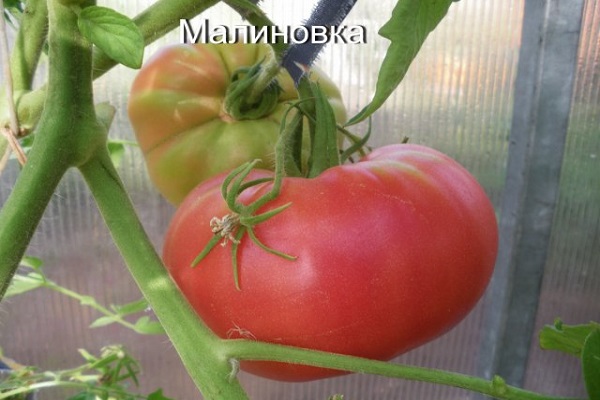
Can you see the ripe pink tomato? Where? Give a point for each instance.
(392, 252)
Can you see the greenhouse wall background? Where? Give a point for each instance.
(463, 95)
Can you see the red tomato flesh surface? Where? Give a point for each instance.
(393, 251)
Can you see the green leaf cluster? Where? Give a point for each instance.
(24, 282)
(582, 341)
(113, 33)
(143, 325)
(104, 376)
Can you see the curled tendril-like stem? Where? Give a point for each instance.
(359, 144)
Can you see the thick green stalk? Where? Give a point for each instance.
(259, 19)
(257, 351)
(27, 48)
(28, 44)
(23, 210)
(269, 70)
(67, 133)
(198, 347)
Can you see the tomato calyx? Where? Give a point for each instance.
(312, 108)
(232, 227)
(241, 102)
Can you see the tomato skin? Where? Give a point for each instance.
(393, 251)
(176, 110)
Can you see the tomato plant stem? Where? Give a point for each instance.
(67, 132)
(268, 72)
(270, 68)
(23, 210)
(259, 19)
(197, 346)
(29, 44)
(257, 351)
(68, 135)
(8, 133)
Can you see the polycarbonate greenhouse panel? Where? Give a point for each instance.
(571, 284)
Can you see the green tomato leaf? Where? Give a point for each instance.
(24, 283)
(590, 361)
(25, 143)
(146, 326)
(103, 321)
(87, 356)
(411, 23)
(114, 33)
(131, 308)
(116, 151)
(105, 112)
(87, 301)
(566, 338)
(32, 262)
(324, 136)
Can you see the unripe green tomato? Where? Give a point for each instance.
(176, 110)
